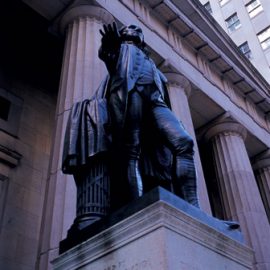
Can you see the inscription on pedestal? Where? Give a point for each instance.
(186, 266)
(123, 265)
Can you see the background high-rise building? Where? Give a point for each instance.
(248, 24)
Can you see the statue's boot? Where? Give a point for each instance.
(185, 184)
(232, 225)
(134, 179)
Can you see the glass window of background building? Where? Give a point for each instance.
(233, 22)
(264, 38)
(207, 6)
(244, 48)
(254, 7)
(223, 2)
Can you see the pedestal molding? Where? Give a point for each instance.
(159, 217)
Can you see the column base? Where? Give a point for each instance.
(158, 231)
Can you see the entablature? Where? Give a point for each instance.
(201, 32)
(182, 32)
(185, 25)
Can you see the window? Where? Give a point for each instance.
(4, 108)
(223, 2)
(207, 6)
(233, 23)
(244, 48)
(254, 7)
(264, 38)
(10, 112)
(4, 181)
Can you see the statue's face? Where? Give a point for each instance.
(133, 33)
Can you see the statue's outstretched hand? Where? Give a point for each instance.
(110, 37)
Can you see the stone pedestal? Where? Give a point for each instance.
(158, 231)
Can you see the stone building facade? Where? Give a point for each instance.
(52, 62)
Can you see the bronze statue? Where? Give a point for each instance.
(137, 96)
(125, 140)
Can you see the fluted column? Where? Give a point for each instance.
(179, 91)
(261, 167)
(82, 71)
(240, 195)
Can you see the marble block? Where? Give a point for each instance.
(159, 232)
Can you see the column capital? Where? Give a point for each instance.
(262, 160)
(84, 10)
(225, 123)
(179, 81)
(226, 128)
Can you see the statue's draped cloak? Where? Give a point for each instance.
(88, 128)
(87, 131)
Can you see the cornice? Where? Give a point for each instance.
(206, 26)
(193, 15)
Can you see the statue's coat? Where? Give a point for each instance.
(88, 131)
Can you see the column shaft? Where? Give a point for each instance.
(82, 71)
(240, 195)
(263, 180)
(262, 172)
(179, 90)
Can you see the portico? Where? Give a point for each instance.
(206, 79)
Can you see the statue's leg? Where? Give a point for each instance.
(132, 130)
(181, 144)
(119, 188)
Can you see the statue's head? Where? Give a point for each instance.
(132, 33)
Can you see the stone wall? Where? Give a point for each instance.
(24, 162)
